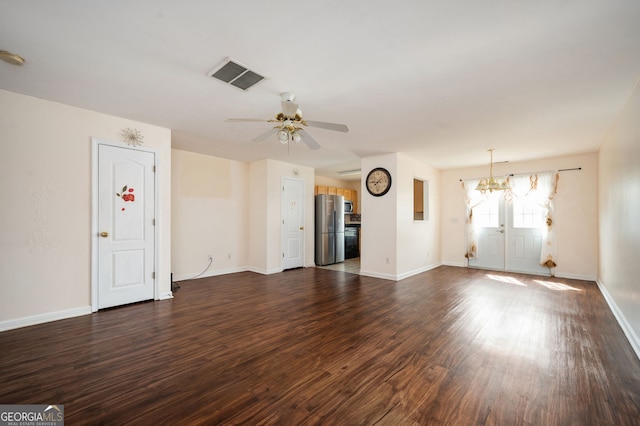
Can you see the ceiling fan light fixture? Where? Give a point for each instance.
(290, 124)
(283, 135)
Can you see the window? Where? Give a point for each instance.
(527, 213)
(487, 213)
(420, 199)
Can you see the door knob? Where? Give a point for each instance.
(104, 234)
(501, 231)
(302, 228)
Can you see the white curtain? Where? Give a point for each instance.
(548, 187)
(471, 199)
(541, 188)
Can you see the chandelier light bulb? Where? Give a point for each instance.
(283, 135)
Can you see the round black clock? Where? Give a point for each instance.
(378, 182)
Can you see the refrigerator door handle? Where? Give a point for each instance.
(335, 240)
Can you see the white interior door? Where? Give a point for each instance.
(292, 223)
(524, 243)
(489, 218)
(509, 234)
(126, 237)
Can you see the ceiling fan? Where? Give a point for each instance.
(289, 124)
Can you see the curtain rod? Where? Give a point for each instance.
(559, 170)
(570, 170)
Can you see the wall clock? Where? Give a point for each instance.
(378, 182)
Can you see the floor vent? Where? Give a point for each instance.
(231, 72)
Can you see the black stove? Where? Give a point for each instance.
(351, 240)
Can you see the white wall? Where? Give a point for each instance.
(258, 202)
(378, 251)
(210, 215)
(45, 215)
(394, 246)
(265, 217)
(576, 217)
(619, 207)
(418, 242)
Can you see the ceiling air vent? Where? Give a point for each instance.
(237, 75)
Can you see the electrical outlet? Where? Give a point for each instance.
(229, 256)
(387, 259)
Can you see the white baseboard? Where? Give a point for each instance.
(166, 295)
(457, 264)
(42, 318)
(399, 277)
(265, 271)
(418, 271)
(576, 276)
(207, 274)
(632, 337)
(378, 275)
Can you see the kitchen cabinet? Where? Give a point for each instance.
(353, 197)
(348, 194)
(321, 190)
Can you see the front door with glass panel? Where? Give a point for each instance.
(508, 234)
(525, 223)
(488, 217)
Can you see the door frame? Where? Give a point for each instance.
(283, 230)
(95, 144)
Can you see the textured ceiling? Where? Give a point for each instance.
(439, 81)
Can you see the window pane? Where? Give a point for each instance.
(527, 213)
(486, 214)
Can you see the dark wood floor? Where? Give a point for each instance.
(452, 346)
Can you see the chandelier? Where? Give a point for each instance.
(491, 184)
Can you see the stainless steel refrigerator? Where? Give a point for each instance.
(329, 229)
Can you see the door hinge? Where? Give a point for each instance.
(283, 255)
(153, 275)
(153, 168)
(153, 222)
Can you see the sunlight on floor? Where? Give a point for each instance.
(556, 286)
(508, 280)
(548, 284)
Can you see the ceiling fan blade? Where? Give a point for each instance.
(265, 135)
(308, 140)
(328, 126)
(245, 120)
(289, 108)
